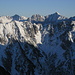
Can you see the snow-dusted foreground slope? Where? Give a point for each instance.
(39, 45)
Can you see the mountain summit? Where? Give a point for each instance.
(39, 45)
(16, 17)
(55, 17)
(57, 13)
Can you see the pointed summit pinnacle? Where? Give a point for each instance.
(57, 13)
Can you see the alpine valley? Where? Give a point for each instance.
(37, 45)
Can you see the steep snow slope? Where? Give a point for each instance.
(38, 45)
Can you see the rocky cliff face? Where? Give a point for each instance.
(40, 45)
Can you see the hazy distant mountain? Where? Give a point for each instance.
(39, 45)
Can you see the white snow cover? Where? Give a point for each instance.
(24, 31)
(56, 17)
(5, 19)
(38, 37)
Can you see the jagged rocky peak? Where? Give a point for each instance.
(5, 19)
(56, 13)
(72, 18)
(37, 18)
(16, 17)
(55, 17)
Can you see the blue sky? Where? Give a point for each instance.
(42, 7)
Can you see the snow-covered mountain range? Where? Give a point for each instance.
(38, 45)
